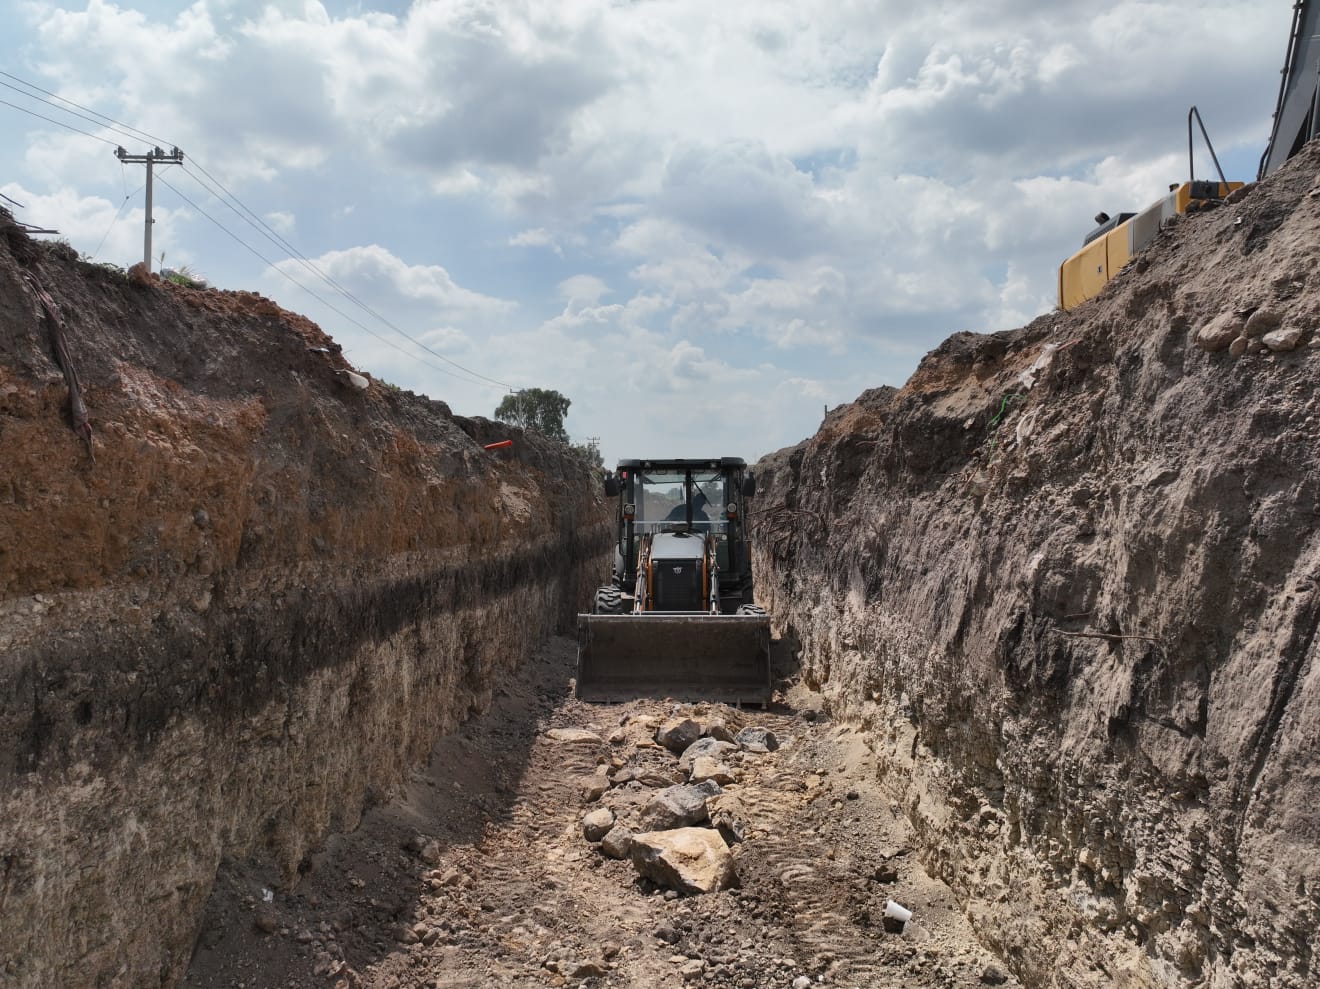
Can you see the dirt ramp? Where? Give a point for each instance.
(1068, 578)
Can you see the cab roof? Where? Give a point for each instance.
(663, 463)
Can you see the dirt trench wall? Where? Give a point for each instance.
(1077, 610)
(248, 617)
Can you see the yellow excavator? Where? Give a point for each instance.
(1116, 240)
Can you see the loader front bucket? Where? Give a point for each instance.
(720, 658)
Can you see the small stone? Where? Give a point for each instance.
(719, 731)
(1281, 341)
(617, 843)
(266, 921)
(1238, 347)
(692, 970)
(573, 735)
(1261, 322)
(450, 877)
(1220, 332)
(729, 816)
(430, 853)
(588, 970)
(1256, 346)
(597, 824)
(594, 787)
(802, 982)
(201, 519)
(993, 976)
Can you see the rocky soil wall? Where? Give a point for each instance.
(1067, 577)
(243, 612)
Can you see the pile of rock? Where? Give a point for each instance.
(669, 802)
(1253, 332)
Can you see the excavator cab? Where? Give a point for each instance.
(677, 618)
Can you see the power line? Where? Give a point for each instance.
(59, 123)
(127, 197)
(73, 113)
(252, 250)
(243, 212)
(141, 135)
(265, 230)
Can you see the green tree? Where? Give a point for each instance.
(542, 409)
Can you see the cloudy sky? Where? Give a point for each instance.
(703, 222)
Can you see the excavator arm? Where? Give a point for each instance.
(1298, 110)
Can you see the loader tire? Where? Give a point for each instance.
(750, 609)
(608, 601)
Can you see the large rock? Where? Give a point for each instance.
(713, 747)
(617, 843)
(706, 768)
(754, 738)
(1282, 340)
(1261, 322)
(1220, 332)
(677, 734)
(679, 806)
(690, 860)
(597, 824)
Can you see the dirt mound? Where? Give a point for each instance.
(1068, 575)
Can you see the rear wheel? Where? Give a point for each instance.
(608, 601)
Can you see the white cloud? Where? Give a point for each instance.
(281, 221)
(100, 228)
(791, 200)
(536, 237)
(372, 272)
(582, 288)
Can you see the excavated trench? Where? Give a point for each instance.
(280, 702)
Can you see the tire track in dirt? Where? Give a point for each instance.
(479, 874)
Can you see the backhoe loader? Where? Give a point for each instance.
(677, 618)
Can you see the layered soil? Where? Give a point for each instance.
(239, 608)
(1067, 578)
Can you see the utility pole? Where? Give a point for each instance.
(174, 157)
